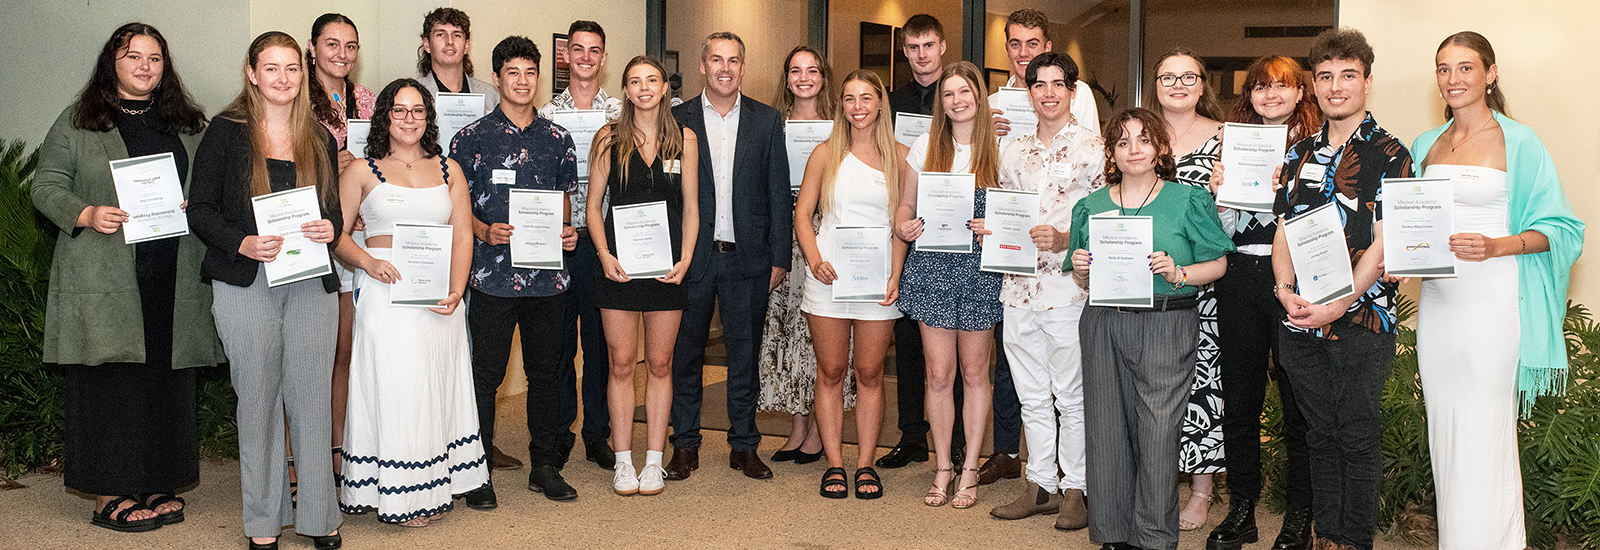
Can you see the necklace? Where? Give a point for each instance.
(1122, 209)
(408, 164)
(133, 112)
(1453, 142)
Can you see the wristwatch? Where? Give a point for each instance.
(1281, 286)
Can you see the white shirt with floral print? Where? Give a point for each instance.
(1063, 173)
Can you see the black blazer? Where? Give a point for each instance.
(763, 211)
(219, 203)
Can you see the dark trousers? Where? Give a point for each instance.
(911, 385)
(743, 305)
(1249, 318)
(584, 265)
(493, 319)
(1007, 408)
(1339, 386)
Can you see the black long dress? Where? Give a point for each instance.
(131, 426)
(646, 183)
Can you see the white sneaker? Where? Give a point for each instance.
(624, 481)
(652, 480)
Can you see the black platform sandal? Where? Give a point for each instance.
(155, 500)
(835, 477)
(872, 480)
(110, 518)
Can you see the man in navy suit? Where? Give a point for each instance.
(746, 224)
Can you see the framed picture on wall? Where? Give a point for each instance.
(997, 78)
(561, 72)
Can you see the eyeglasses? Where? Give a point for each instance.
(1170, 80)
(401, 113)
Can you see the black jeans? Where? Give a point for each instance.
(1249, 317)
(743, 305)
(492, 319)
(1339, 387)
(584, 265)
(911, 385)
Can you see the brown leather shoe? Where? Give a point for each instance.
(503, 461)
(683, 462)
(1074, 513)
(750, 463)
(999, 465)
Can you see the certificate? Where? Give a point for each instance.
(1418, 219)
(1009, 249)
(861, 259)
(1250, 152)
(1120, 275)
(355, 138)
(281, 214)
(802, 137)
(944, 202)
(1321, 258)
(644, 239)
(149, 190)
(422, 256)
(1014, 105)
(456, 111)
(582, 124)
(908, 127)
(536, 240)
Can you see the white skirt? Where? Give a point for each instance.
(818, 301)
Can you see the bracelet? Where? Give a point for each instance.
(1183, 279)
(1281, 286)
(1524, 242)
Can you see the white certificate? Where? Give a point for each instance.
(861, 259)
(644, 239)
(1120, 275)
(909, 126)
(1009, 249)
(1014, 105)
(802, 137)
(456, 111)
(1418, 219)
(149, 190)
(944, 202)
(281, 214)
(355, 137)
(422, 256)
(1250, 152)
(1321, 258)
(536, 240)
(582, 124)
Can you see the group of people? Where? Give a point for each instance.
(1115, 401)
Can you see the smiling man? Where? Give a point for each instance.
(444, 63)
(1027, 36)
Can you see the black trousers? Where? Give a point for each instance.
(583, 264)
(743, 304)
(911, 385)
(542, 319)
(1249, 317)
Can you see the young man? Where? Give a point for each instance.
(1337, 355)
(586, 54)
(924, 48)
(742, 253)
(1062, 161)
(443, 61)
(1028, 35)
(513, 148)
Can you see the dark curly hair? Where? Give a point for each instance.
(443, 16)
(97, 109)
(1342, 43)
(1155, 126)
(378, 137)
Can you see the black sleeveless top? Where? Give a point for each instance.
(646, 183)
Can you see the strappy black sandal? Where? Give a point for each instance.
(872, 480)
(109, 518)
(155, 500)
(835, 477)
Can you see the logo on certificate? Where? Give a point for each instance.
(1418, 246)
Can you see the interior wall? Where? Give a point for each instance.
(1534, 47)
(769, 29)
(844, 27)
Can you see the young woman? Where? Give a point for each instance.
(846, 184)
(112, 318)
(412, 398)
(1138, 363)
(788, 361)
(955, 305)
(1248, 316)
(642, 157)
(1493, 331)
(279, 339)
(1189, 108)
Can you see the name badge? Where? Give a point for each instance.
(1060, 170)
(879, 181)
(504, 177)
(1313, 172)
(674, 166)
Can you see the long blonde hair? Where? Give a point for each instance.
(941, 140)
(306, 135)
(669, 138)
(839, 142)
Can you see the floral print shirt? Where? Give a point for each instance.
(563, 102)
(540, 156)
(366, 101)
(1062, 174)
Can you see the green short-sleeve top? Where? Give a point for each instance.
(1184, 220)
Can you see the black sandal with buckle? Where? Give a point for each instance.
(835, 477)
(155, 500)
(109, 518)
(872, 480)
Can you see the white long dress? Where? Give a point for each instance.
(1468, 332)
(411, 436)
(860, 197)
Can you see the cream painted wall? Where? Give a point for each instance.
(769, 29)
(1535, 49)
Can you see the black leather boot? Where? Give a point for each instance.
(1237, 529)
(1296, 533)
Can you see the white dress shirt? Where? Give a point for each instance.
(722, 133)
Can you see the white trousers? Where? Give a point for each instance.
(1047, 369)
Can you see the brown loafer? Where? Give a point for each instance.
(750, 464)
(501, 461)
(684, 461)
(999, 465)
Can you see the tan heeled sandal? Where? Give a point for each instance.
(938, 495)
(962, 501)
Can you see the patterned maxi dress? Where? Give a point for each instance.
(1200, 445)
(788, 363)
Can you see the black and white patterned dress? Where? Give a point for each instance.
(788, 363)
(1200, 445)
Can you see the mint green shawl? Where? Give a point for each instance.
(1537, 203)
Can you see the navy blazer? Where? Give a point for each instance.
(763, 211)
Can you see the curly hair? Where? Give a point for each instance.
(1342, 43)
(98, 106)
(378, 137)
(443, 16)
(1155, 127)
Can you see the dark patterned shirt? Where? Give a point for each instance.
(543, 157)
(1351, 175)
